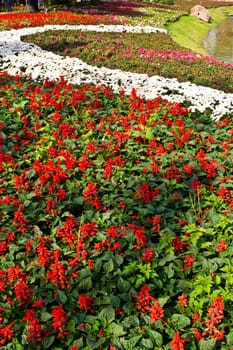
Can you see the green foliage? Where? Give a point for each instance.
(138, 53)
(114, 232)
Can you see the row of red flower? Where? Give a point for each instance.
(21, 20)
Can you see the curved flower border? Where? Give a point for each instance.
(30, 60)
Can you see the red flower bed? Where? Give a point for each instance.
(116, 220)
(21, 20)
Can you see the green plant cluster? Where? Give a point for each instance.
(123, 51)
(116, 221)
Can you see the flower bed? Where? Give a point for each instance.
(21, 20)
(116, 218)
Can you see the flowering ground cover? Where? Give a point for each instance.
(116, 212)
(108, 12)
(154, 54)
(20, 20)
(116, 221)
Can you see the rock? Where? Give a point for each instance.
(201, 13)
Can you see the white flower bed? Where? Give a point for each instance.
(17, 57)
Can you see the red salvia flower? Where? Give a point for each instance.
(22, 292)
(90, 195)
(179, 246)
(34, 327)
(148, 255)
(6, 333)
(85, 302)
(196, 317)
(189, 169)
(56, 273)
(59, 320)
(221, 246)
(177, 342)
(69, 230)
(139, 234)
(43, 254)
(144, 299)
(183, 300)
(188, 261)
(156, 312)
(88, 229)
(84, 163)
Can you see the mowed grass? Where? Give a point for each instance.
(190, 32)
(136, 53)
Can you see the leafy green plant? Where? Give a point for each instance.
(156, 54)
(116, 217)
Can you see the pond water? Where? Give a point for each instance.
(219, 41)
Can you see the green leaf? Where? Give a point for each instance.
(47, 342)
(133, 341)
(98, 265)
(119, 259)
(208, 344)
(71, 326)
(118, 330)
(156, 337)
(107, 313)
(180, 321)
(84, 273)
(115, 301)
(147, 343)
(93, 344)
(30, 173)
(86, 283)
(123, 285)
(45, 316)
(62, 298)
(149, 134)
(108, 266)
(229, 338)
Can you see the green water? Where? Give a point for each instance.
(219, 41)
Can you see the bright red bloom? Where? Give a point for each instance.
(221, 246)
(148, 255)
(144, 299)
(196, 184)
(188, 261)
(189, 169)
(156, 222)
(156, 312)
(69, 230)
(85, 302)
(56, 273)
(88, 229)
(90, 195)
(197, 335)
(84, 163)
(179, 246)
(144, 193)
(22, 292)
(183, 300)
(6, 333)
(34, 327)
(139, 234)
(43, 255)
(59, 320)
(196, 317)
(3, 247)
(177, 342)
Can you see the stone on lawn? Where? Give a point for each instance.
(201, 13)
